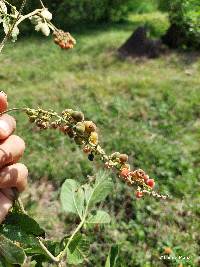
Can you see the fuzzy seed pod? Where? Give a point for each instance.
(90, 126)
(123, 158)
(77, 116)
(80, 127)
(94, 138)
(46, 14)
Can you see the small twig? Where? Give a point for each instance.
(5, 39)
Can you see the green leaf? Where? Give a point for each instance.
(100, 217)
(11, 252)
(72, 197)
(78, 250)
(25, 223)
(112, 257)
(102, 187)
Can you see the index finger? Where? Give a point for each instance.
(3, 101)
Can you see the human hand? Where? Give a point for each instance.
(12, 174)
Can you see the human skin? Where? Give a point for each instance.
(12, 173)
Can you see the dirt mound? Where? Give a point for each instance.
(139, 45)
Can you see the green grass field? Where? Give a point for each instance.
(149, 109)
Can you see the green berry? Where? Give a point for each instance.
(78, 140)
(80, 127)
(77, 116)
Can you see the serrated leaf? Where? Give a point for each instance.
(112, 256)
(11, 252)
(25, 223)
(100, 217)
(78, 250)
(102, 187)
(72, 197)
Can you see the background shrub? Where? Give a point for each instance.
(186, 15)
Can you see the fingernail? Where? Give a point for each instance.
(3, 93)
(4, 128)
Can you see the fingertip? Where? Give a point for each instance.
(3, 102)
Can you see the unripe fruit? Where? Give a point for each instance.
(77, 116)
(70, 132)
(80, 127)
(94, 138)
(32, 118)
(124, 173)
(150, 183)
(123, 158)
(115, 155)
(126, 166)
(139, 194)
(90, 126)
(78, 140)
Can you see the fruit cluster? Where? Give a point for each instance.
(84, 133)
(64, 39)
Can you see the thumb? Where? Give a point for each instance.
(3, 101)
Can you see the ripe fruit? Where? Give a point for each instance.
(90, 126)
(77, 116)
(139, 194)
(167, 250)
(146, 177)
(124, 173)
(123, 158)
(150, 183)
(94, 138)
(86, 149)
(91, 157)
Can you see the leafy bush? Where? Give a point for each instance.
(70, 13)
(186, 15)
(143, 6)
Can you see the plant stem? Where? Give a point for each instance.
(55, 259)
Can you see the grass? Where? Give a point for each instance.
(146, 108)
